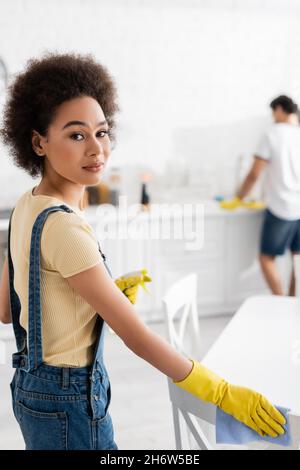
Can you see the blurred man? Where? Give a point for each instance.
(279, 154)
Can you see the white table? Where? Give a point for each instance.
(260, 349)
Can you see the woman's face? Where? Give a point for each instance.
(77, 145)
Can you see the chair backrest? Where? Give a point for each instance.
(296, 260)
(180, 307)
(189, 410)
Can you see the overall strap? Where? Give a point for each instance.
(34, 357)
(98, 354)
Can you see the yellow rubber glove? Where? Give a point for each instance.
(130, 282)
(231, 204)
(254, 204)
(244, 404)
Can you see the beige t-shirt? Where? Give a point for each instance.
(68, 247)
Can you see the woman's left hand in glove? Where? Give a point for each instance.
(129, 283)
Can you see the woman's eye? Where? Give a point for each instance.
(74, 136)
(102, 133)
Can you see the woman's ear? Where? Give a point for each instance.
(38, 144)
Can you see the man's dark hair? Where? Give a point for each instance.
(37, 92)
(286, 103)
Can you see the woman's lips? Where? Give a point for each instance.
(94, 168)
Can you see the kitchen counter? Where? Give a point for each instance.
(210, 207)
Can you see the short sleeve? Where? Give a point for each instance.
(68, 244)
(263, 149)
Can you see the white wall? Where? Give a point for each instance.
(194, 77)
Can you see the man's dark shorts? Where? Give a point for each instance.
(279, 235)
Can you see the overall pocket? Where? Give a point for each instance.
(103, 434)
(50, 417)
(42, 430)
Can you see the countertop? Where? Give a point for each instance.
(210, 209)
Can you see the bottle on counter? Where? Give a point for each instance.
(145, 198)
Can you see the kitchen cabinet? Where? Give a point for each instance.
(227, 265)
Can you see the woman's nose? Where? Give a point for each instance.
(96, 147)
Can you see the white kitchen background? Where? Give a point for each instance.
(195, 78)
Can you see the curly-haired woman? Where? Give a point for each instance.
(56, 288)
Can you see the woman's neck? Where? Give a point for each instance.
(68, 192)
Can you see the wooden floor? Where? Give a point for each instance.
(140, 407)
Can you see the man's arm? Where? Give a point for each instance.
(5, 314)
(258, 166)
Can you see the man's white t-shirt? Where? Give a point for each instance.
(281, 147)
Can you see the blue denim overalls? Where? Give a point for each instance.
(57, 408)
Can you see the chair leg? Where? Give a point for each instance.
(195, 430)
(178, 441)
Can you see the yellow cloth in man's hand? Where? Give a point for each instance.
(129, 283)
(231, 204)
(254, 204)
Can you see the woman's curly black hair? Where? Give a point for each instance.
(36, 93)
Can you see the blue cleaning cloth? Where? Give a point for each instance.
(231, 431)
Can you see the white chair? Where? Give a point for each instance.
(180, 307)
(297, 273)
(189, 410)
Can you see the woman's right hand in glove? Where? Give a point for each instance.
(246, 405)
